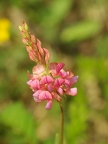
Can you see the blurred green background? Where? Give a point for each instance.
(76, 33)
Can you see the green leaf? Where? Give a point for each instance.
(20, 120)
(80, 31)
(57, 10)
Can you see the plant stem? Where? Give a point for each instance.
(62, 124)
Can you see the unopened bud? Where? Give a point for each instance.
(33, 38)
(24, 41)
(25, 26)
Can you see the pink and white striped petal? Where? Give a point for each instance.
(50, 87)
(37, 93)
(35, 84)
(63, 73)
(45, 95)
(67, 83)
(59, 67)
(46, 80)
(58, 82)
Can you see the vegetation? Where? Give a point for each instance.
(76, 33)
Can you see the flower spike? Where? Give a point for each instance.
(33, 45)
(48, 81)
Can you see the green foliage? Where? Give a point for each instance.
(54, 15)
(76, 33)
(102, 46)
(57, 10)
(56, 139)
(80, 31)
(78, 114)
(20, 121)
(77, 126)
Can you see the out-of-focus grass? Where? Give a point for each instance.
(75, 32)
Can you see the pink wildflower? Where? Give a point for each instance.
(48, 81)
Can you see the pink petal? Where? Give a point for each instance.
(38, 69)
(45, 95)
(46, 80)
(60, 90)
(74, 80)
(63, 74)
(59, 67)
(72, 92)
(36, 94)
(58, 82)
(35, 84)
(50, 87)
(67, 83)
(29, 82)
(49, 105)
(37, 100)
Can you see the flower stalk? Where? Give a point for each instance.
(62, 124)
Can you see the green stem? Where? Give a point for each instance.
(62, 124)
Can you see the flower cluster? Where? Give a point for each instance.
(48, 81)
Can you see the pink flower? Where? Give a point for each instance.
(52, 84)
(48, 81)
